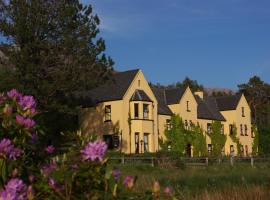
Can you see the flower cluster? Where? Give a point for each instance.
(7, 149)
(26, 122)
(94, 151)
(50, 149)
(15, 189)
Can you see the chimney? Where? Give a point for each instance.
(199, 93)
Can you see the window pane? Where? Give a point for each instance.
(136, 110)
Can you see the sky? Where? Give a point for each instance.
(219, 43)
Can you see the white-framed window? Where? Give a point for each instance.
(146, 111)
(146, 142)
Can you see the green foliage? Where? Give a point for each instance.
(235, 139)
(53, 50)
(217, 139)
(199, 142)
(264, 139)
(178, 138)
(176, 135)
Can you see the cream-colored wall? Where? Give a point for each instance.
(181, 108)
(162, 119)
(136, 127)
(92, 120)
(235, 117)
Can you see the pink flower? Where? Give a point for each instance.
(129, 182)
(94, 151)
(15, 189)
(7, 149)
(26, 122)
(14, 94)
(168, 190)
(27, 102)
(50, 149)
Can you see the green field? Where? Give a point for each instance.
(201, 182)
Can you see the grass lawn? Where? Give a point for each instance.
(201, 182)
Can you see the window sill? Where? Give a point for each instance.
(109, 120)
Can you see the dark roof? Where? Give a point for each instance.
(228, 102)
(140, 95)
(207, 109)
(174, 95)
(114, 89)
(163, 109)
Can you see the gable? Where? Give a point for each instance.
(139, 83)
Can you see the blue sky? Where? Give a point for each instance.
(220, 43)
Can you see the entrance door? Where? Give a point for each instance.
(188, 150)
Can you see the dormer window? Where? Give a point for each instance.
(188, 110)
(243, 112)
(108, 113)
(145, 111)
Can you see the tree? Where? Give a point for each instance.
(217, 139)
(193, 84)
(53, 50)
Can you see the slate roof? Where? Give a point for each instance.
(140, 95)
(208, 109)
(228, 102)
(114, 89)
(174, 95)
(160, 95)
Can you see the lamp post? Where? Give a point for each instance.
(141, 146)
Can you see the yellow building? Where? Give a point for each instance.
(131, 116)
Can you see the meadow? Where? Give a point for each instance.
(204, 182)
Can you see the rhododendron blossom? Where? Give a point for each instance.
(26, 122)
(50, 149)
(94, 151)
(15, 189)
(7, 149)
(14, 94)
(27, 102)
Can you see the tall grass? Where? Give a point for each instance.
(205, 183)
